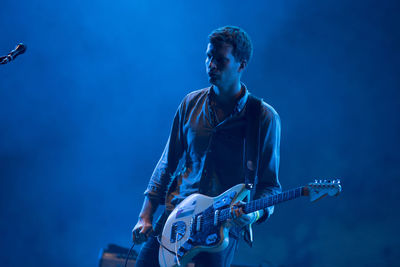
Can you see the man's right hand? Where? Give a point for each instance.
(142, 230)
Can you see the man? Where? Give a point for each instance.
(205, 150)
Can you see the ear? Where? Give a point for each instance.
(242, 65)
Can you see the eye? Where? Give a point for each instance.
(220, 60)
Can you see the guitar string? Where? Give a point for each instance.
(208, 217)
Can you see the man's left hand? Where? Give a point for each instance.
(241, 219)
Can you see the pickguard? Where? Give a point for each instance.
(186, 210)
(224, 200)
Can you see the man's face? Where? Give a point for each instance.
(222, 68)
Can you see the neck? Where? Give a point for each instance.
(226, 94)
(263, 203)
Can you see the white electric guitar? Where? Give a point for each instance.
(200, 223)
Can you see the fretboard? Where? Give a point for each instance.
(263, 203)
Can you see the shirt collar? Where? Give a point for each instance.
(240, 102)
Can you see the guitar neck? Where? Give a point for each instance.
(266, 202)
(263, 203)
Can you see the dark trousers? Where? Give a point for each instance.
(148, 255)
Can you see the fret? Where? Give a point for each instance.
(263, 203)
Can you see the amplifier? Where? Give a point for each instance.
(114, 256)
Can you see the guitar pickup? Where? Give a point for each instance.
(198, 223)
(216, 213)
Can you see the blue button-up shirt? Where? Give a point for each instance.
(205, 155)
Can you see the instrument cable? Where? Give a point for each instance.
(127, 255)
(130, 250)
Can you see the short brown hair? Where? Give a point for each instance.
(237, 38)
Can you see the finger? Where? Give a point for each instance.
(241, 211)
(233, 212)
(238, 204)
(148, 231)
(237, 213)
(143, 230)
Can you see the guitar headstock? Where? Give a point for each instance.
(321, 188)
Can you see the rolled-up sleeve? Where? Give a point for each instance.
(166, 166)
(270, 134)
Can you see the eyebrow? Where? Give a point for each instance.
(216, 55)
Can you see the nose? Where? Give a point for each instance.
(210, 63)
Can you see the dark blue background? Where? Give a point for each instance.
(86, 112)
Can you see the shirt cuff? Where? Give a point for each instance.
(267, 213)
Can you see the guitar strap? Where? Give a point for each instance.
(251, 153)
(252, 142)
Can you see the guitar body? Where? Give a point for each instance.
(191, 228)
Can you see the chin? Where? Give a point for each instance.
(213, 81)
